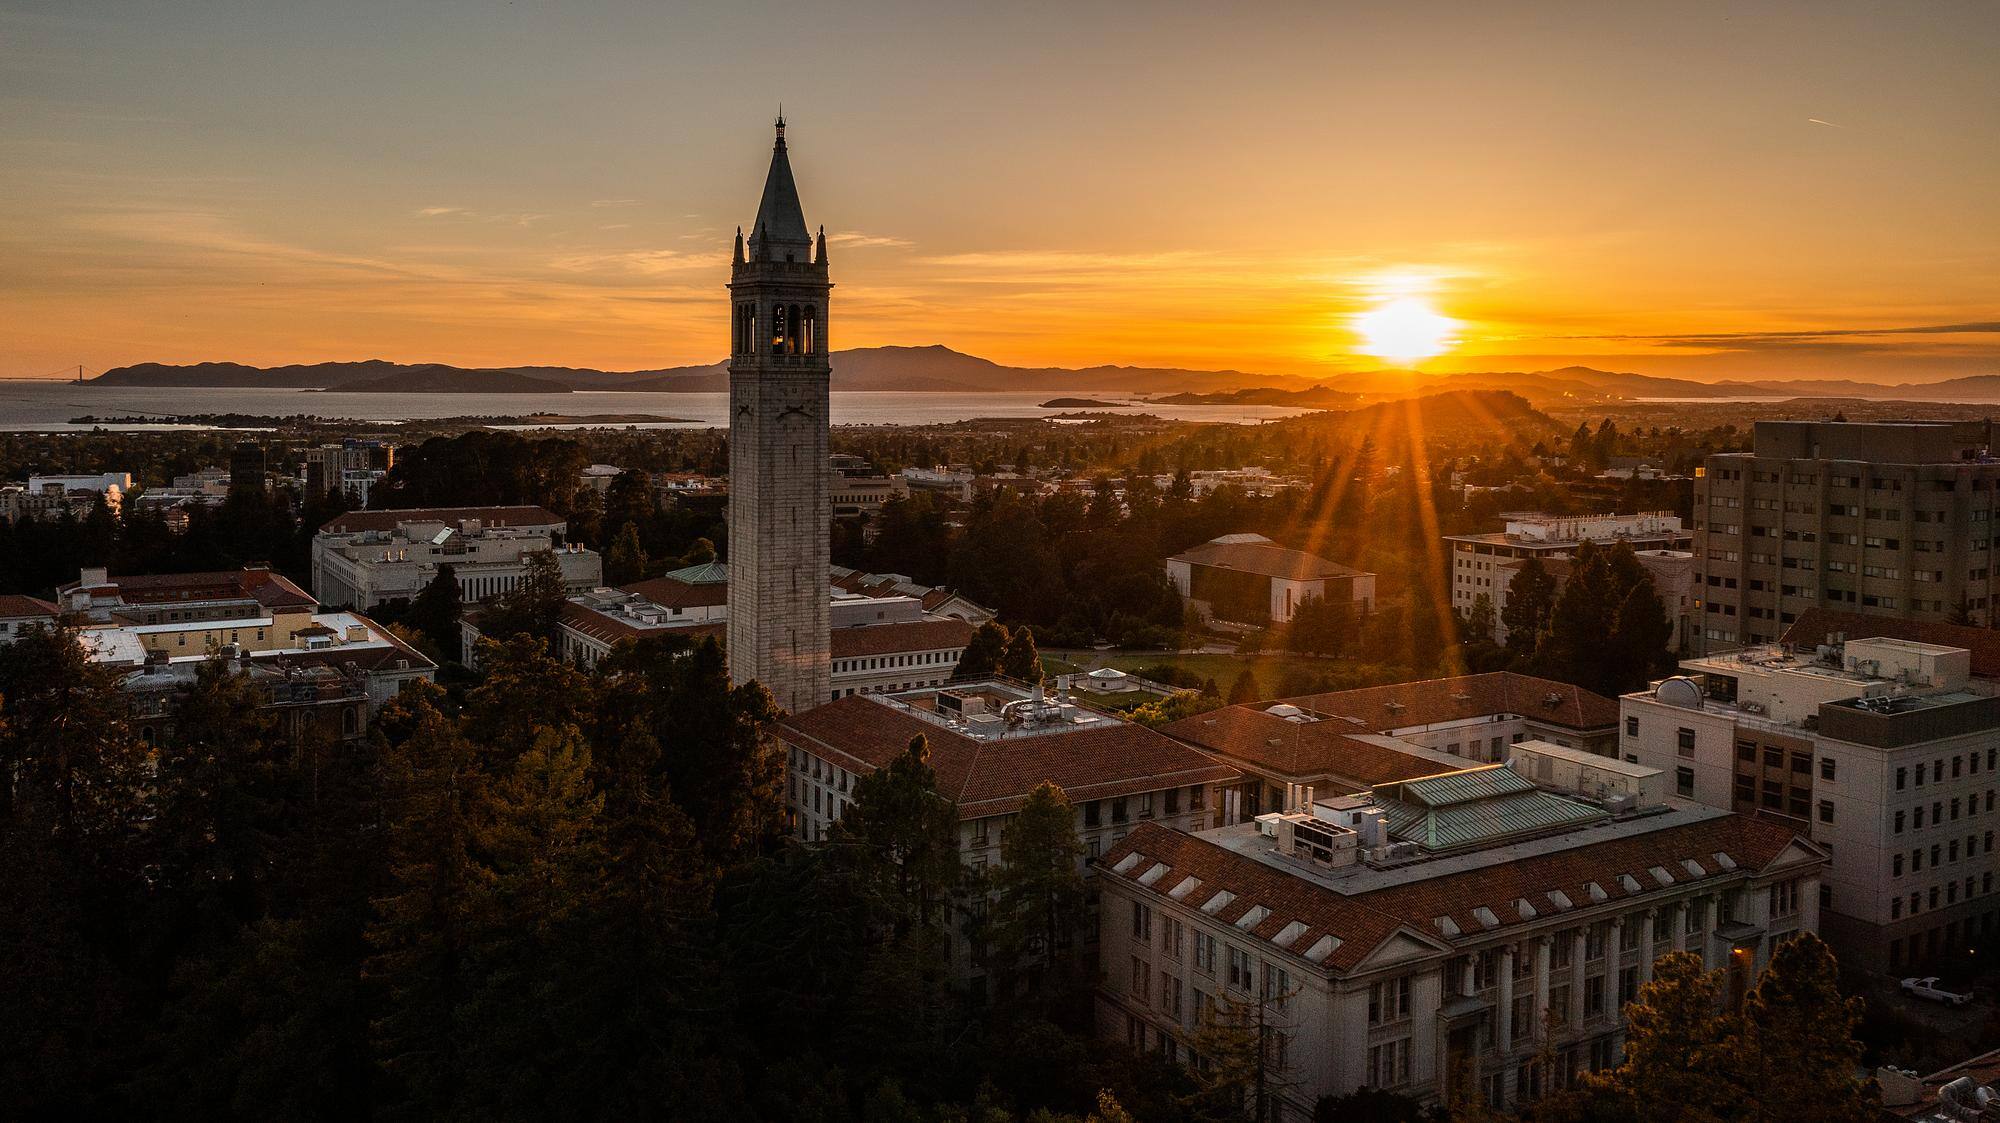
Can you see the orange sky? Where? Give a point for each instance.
(1703, 190)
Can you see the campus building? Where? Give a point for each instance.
(1249, 579)
(1479, 562)
(1881, 748)
(1440, 936)
(1349, 740)
(1882, 518)
(363, 558)
(992, 742)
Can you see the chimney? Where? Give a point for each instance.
(93, 575)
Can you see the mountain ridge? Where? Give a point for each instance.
(936, 368)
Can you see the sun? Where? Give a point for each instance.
(1405, 329)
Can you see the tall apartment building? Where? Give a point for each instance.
(1889, 518)
(1440, 936)
(1479, 561)
(1881, 747)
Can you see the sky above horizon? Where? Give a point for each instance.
(1779, 189)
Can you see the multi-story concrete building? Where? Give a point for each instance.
(1672, 572)
(1887, 518)
(779, 510)
(1439, 936)
(1881, 748)
(161, 625)
(353, 466)
(991, 743)
(858, 487)
(1477, 559)
(363, 558)
(1249, 579)
(1349, 740)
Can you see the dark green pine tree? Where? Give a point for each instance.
(531, 608)
(1019, 660)
(906, 832)
(1531, 596)
(1796, 1048)
(626, 560)
(436, 611)
(1032, 926)
(1244, 689)
(983, 653)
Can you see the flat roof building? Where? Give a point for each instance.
(1480, 562)
(1888, 518)
(363, 558)
(1434, 936)
(1348, 740)
(1882, 749)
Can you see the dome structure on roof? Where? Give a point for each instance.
(1679, 691)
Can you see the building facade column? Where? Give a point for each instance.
(1573, 1017)
(1504, 1021)
(1646, 947)
(1677, 924)
(1540, 1028)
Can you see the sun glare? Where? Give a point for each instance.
(1405, 329)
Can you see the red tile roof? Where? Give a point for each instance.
(14, 607)
(1362, 921)
(907, 635)
(272, 590)
(994, 777)
(1266, 559)
(1816, 626)
(668, 592)
(356, 521)
(1381, 708)
(1300, 750)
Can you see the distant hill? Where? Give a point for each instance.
(439, 379)
(939, 369)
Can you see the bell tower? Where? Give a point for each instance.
(779, 510)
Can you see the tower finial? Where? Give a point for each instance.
(781, 124)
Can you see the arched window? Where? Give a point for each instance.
(811, 333)
(798, 332)
(780, 330)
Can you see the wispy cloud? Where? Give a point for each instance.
(645, 263)
(857, 240)
(614, 202)
(440, 212)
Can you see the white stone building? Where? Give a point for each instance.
(1477, 560)
(366, 557)
(1882, 749)
(1435, 937)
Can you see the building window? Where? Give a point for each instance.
(1142, 923)
(1389, 1064)
(1826, 811)
(1685, 740)
(1684, 780)
(1631, 727)
(1239, 968)
(1389, 1001)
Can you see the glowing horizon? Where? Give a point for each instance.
(288, 183)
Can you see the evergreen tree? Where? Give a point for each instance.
(428, 921)
(1796, 1048)
(533, 607)
(1531, 596)
(436, 610)
(1677, 1065)
(984, 652)
(907, 834)
(626, 560)
(1019, 660)
(1040, 896)
(1244, 689)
